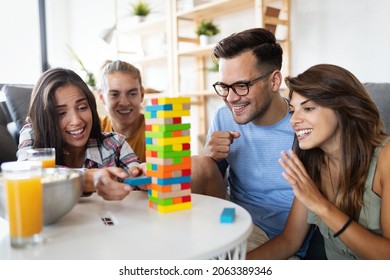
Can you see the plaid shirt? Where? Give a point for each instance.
(114, 151)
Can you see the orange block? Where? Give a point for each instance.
(172, 167)
(169, 188)
(168, 173)
(182, 199)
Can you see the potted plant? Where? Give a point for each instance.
(205, 29)
(140, 10)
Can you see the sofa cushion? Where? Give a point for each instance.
(7, 142)
(380, 93)
(18, 102)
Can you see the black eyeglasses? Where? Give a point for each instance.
(239, 88)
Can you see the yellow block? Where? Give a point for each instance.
(173, 114)
(170, 208)
(173, 100)
(171, 141)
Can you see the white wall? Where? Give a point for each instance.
(351, 33)
(78, 24)
(19, 27)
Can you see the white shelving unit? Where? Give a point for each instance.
(183, 62)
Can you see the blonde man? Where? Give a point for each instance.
(122, 94)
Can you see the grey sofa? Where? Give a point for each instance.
(380, 93)
(13, 112)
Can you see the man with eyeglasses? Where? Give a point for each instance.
(249, 133)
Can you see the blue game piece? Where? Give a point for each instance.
(227, 215)
(136, 181)
(172, 181)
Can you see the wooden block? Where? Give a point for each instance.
(162, 107)
(170, 100)
(168, 173)
(170, 188)
(170, 114)
(171, 181)
(168, 161)
(166, 121)
(170, 208)
(173, 194)
(173, 154)
(228, 215)
(167, 134)
(169, 200)
(170, 127)
(161, 201)
(136, 181)
(180, 107)
(168, 107)
(169, 148)
(168, 141)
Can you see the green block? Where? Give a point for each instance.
(168, 148)
(161, 201)
(177, 160)
(174, 154)
(164, 134)
(173, 127)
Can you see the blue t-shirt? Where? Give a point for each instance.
(255, 175)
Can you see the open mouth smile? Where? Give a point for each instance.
(238, 108)
(77, 132)
(124, 112)
(303, 133)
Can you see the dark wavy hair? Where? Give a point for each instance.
(260, 41)
(360, 124)
(43, 114)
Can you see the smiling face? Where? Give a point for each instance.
(254, 106)
(123, 99)
(314, 125)
(74, 115)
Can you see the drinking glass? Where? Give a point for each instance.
(45, 155)
(24, 201)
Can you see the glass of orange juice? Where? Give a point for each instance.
(24, 201)
(45, 155)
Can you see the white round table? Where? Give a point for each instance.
(129, 229)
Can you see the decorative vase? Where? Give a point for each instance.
(140, 19)
(204, 40)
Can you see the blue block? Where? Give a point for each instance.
(228, 215)
(136, 181)
(175, 180)
(163, 107)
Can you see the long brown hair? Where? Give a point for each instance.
(43, 115)
(360, 124)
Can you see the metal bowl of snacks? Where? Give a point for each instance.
(62, 189)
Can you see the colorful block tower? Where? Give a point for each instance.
(168, 153)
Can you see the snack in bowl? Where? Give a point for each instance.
(62, 189)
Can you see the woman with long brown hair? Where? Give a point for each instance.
(63, 115)
(338, 168)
